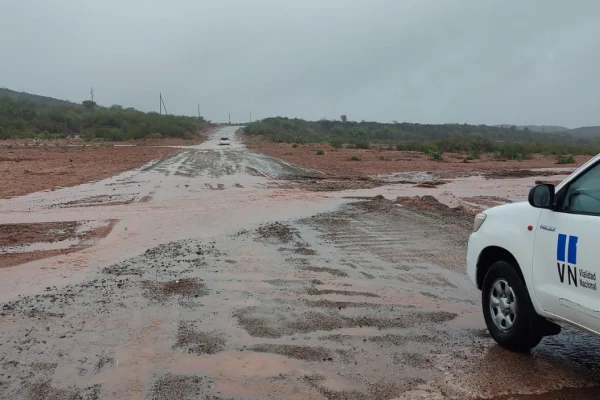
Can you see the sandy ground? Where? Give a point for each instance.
(216, 282)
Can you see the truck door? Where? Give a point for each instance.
(566, 257)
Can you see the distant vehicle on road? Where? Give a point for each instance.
(538, 262)
(224, 141)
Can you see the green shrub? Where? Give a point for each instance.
(436, 155)
(295, 145)
(565, 160)
(355, 158)
(320, 153)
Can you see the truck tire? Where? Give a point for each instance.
(507, 309)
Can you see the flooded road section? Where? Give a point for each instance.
(213, 285)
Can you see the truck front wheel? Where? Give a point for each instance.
(509, 314)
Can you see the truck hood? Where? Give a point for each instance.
(514, 210)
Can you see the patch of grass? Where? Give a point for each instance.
(295, 145)
(27, 171)
(320, 153)
(6, 170)
(566, 159)
(355, 158)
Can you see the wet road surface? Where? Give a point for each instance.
(214, 285)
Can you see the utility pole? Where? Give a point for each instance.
(92, 93)
(250, 116)
(199, 113)
(229, 118)
(160, 103)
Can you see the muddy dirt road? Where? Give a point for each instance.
(216, 283)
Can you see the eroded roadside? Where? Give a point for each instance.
(251, 292)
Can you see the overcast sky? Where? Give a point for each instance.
(428, 61)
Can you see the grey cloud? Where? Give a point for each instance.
(477, 61)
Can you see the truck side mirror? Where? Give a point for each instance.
(542, 196)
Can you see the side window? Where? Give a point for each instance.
(583, 195)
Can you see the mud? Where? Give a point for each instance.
(35, 168)
(277, 231)
(20, 243)
(254, 291)
(185, 387)
(298, 352)
(197, 342)
(185, 287)
(523, 173)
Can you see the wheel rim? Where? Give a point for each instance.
(503, 305)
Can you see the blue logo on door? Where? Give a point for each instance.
(566, 255)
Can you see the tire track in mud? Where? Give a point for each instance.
(397, 235)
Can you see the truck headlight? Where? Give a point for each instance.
(479, 220)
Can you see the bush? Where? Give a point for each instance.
(295, 145)
(565, 160)
(320, 153)
(355, 158)
(474, 155)
(362, 145)
(436, 155)
(336, 143)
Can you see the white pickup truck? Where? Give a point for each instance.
(537, 262)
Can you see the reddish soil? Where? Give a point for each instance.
(23, 234)
(374, 162)
(19, 234)
(31, 169)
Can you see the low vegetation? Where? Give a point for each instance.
(566, 159)
(35, 118)
(504, 142)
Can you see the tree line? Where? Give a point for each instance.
(509, 142)
(23, 118)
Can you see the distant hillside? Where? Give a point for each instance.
(586, 131)
(24, 115)
(537, 128)
(36, 99)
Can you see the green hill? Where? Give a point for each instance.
(36, 99)
(24, 115)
